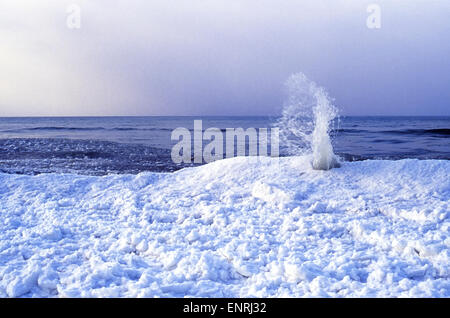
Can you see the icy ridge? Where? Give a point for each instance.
(233, 228)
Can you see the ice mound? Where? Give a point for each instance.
(233, 228)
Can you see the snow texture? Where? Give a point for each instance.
(240, 227)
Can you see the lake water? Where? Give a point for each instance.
(103, 145)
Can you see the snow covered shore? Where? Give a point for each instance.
(233, 228)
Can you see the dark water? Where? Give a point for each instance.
(102, 145)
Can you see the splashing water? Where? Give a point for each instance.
(305, 122)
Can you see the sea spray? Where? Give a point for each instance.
(305, 122)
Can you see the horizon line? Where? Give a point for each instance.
(131, 116)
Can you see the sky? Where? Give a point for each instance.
(221, 57)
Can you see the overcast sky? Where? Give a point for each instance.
(221, 57)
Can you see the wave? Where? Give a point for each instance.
(436, 131)
(33, 156)
(307, 118)
(138, 129)
(57, 128)
(348, 130)
(349, 157)
(54, 128)
(223, 130)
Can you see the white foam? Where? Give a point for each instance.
(305, 122)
